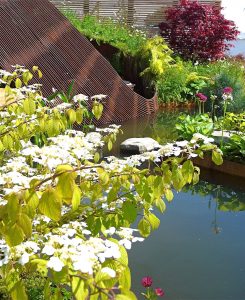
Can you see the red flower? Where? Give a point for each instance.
(201, 97)
(228, 90)
(146, 281)
(159, 292)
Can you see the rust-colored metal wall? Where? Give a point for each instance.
(34, 32)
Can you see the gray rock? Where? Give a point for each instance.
(139, 145)
(217, 135)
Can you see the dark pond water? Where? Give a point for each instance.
(198, 252)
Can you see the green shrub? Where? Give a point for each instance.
(188, 125)
(234, 149)
(225, 73)
(171, 86)
(128, 40)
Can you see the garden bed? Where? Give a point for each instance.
(228, 167)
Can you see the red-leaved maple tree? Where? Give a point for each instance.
(198, 32)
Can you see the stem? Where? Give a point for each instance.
(222, 128)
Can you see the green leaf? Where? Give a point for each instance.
(160, 204)
(217, 157)
(187, 170)
(154, 221)
(13, 207)
(177, 178)
(29, 106)
(50, 204)
(144, 227)
(25, 223)
(27, 76)
(76, 198)
(18, 292)
(109, 145)
(34, 68)
(14, 235)
(79, 115)
(169, 195)
(18, 83)
(72, 115)
(78, 288)
(96, 157)
(125, 279)
(129, 211)
(123, 297)
(66, 185)
(39, 265)
(60, 277)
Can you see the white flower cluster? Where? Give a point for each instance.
(73, 246)
(197, 137)
(126, 234)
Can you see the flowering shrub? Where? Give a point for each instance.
(65, 213)
(198, 31)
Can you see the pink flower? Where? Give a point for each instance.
(227, 90)
(201, 97)
(146, 281)
(159, 292)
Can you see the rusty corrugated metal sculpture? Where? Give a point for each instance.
(34, 32)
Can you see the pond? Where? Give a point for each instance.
(198, 252)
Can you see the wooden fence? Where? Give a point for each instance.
(142, 13)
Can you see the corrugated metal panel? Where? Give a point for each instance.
(34, 32)
(142, 13)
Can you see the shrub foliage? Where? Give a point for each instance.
(198, 31)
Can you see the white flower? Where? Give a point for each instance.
(137, 239)
(111, 230)
(182, 143)
(49, 250)
(55, 264)
(126, 243)
(83, 265)
(99, 97)
(71, 232)
(109, 272)
(80, 97)
(24, 259)
(86, 232)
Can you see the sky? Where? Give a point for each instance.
(235, 10)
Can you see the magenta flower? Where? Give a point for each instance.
(228, 90)
(201, 97)
(159, 292)
(146, 281)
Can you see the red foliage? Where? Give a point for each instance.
(198, 31)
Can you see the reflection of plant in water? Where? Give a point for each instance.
(226, 199)
(163, 126)
(216, 229)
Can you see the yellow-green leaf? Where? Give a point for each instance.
(50, 204)
(14, 235)
(18, 292)
(25, 223)
(18, 83)
(79, 289)
(76, 198)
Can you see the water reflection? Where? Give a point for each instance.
(198, 251)
(226, 198)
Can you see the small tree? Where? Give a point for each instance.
(198, 31)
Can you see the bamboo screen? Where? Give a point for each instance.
(144, 13)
